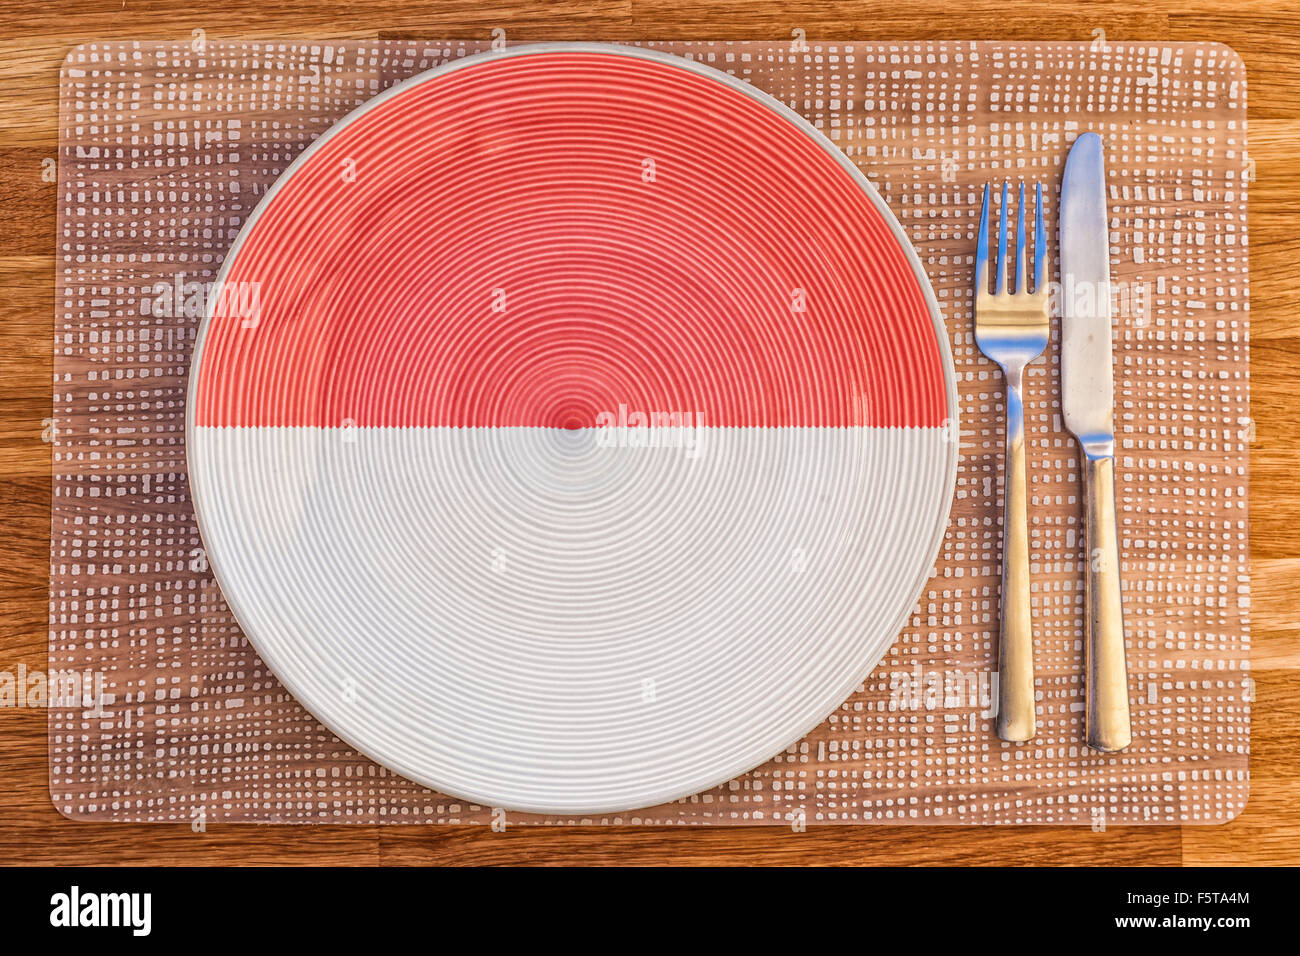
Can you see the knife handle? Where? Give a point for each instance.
(1016, 717)
(1108, 726)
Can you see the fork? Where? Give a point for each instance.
(1011, 329)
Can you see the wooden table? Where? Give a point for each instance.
(33, 41)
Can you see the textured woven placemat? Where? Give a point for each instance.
(165, 149)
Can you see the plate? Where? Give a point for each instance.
(572, 428)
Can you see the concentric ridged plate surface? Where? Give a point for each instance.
(573, 428)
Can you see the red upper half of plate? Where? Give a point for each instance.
(536, 239)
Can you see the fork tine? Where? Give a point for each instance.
(982, 248)
(1021, 278)
(1001, 274)
(1040, 243)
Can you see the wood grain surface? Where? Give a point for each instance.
(33, 41)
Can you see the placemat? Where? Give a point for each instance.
(160, 710)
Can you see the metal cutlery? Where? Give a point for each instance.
(1011, 329)
(1087, 402)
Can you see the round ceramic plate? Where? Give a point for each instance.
(572, 428)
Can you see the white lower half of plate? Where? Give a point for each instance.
(533, 619)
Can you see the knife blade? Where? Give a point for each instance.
(1087, 383)
(1087, 405)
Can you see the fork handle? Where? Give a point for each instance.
(1108, 726)
(1016, 718)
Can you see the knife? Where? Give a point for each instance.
(1088, 402)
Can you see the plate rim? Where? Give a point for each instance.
(800, 122)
